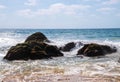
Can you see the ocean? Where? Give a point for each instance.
(69, 64)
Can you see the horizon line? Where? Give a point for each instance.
(65, 28)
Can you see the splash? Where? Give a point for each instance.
(70, 64)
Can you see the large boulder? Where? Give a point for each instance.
(68, 47)
(33, 48)
(92, 50)
(33, 51)
(38, 36)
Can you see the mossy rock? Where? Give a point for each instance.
(33, 48)
(18, 52)
(33, 51)
(92, 50)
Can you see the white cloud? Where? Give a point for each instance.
(31, 2)
(109, 2)
(105, 9)
(92, 0)
(2, 7)
(26, 13)
(118, 14)
(57, 8)
(61, 8)
(74, 9)
(2, 14)
(53, 9)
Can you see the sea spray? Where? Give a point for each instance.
(69, 64)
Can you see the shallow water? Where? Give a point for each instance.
(67, 65)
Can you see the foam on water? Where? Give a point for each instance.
(69, 64)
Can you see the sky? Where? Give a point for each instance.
(59, 14)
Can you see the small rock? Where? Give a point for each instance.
(68, 47)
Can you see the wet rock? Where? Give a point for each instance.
(81, 51)
(18, 52)
(33, 51)
(108, 49)
(119, 60)
(68, 47)
(37, 37)
(53, 51)
(92, 50)
(38, 51)
(33, 48)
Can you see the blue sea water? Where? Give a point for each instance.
(102, 66)
(71, 34)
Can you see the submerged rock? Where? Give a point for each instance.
(38, 36)
(33, 48)
(92, 50)
(68, 47)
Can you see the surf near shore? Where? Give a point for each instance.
(67, 66)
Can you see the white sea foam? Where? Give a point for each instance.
(70, 63)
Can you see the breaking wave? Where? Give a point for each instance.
(69, 64)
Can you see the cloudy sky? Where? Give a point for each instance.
(59, 13)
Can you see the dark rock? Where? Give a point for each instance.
(33, 48)
(108, 49)
(38, 55)
(68, 47)
(33, 51)
(53, 51)
(119, 60)
(81, 51)
(92, 50)
(18, 52)
(38, 51)
(37, 37)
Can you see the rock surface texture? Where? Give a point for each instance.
(68, 47)
(37, 37)
(92, 50)
(33, 48)
(36, 47)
